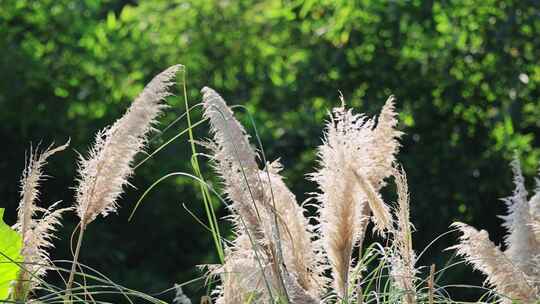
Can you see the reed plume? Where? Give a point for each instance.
(521, 244)
(265, 212)
(235, 162)
(403, 257)
(106, 169)
(104, 172)
(356, 156)
(37, 232)
(506, 279)
(515, 272)
(384, 144)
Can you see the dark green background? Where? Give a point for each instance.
(465, 73)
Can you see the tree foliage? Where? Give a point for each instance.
(465, 74)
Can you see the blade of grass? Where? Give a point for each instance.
(167, 143)
(207, 199)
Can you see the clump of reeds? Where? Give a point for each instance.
(515, 272)
(102, 175)
(277, 254)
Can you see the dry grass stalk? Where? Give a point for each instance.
(431, 284)
(103, 174)
(356, 156)
(507, 279)
(235, 162)
(359, 293)
(403, 258)
(37, 233)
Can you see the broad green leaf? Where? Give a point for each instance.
(10, 249)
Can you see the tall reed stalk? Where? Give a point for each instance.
(355, 158)
(105, 171)
(36, 232)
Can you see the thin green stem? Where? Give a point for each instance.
(207, 200)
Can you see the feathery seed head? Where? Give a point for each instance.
(235, 162)
(520, 241)
(502, 274)
(106, 169)
(297, 294)
(37, 242)
(31, 178)
(229, 134)
(36, 232)
(384, 145)
(356, 156)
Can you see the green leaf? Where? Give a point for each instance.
(10, 250)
